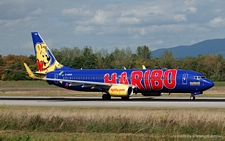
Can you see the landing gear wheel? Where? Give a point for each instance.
(125, 97)
(106, 96)
(192, 97)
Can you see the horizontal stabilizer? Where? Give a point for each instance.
(30, 73)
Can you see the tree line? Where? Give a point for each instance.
(211, 65)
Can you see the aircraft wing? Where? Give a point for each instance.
(72, 82)
(84, 83)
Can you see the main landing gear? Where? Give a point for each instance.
(125, 97)
(192, 97)
(106, 96)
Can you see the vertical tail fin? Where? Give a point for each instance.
(45, 60)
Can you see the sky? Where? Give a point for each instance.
(107, 24)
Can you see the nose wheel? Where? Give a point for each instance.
(192, 97)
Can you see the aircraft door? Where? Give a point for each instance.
(185, 79)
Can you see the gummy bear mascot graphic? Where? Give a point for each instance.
(45, 61)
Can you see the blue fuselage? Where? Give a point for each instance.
(150, 80)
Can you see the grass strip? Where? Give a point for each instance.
(114, 120)
(53, 136)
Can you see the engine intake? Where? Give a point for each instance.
(120, 90)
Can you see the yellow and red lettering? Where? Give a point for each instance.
(123, 78)
(170, 79)
(156, 79)
(136, 79)
(153, 80)
(108, 80)
(147, 80)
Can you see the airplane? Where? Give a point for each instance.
(122, 83)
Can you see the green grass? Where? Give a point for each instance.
(53, 136)
(25, 84)
(95, 123)
(219, 84)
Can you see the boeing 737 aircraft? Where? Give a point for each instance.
(122, 83)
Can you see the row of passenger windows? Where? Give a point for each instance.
(101, 78)
(110, 78)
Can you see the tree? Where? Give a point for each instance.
(14, 68)
(100, 57)
(218, 67)
(209, 64)
(15, 72)
(167, 60)
(88, 58)
(2, 65)
(144, 53)
(189, 63)
(143, 57)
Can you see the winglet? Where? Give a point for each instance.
(30, 73)
(143, 67)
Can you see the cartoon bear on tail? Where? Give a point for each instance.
(44, 60)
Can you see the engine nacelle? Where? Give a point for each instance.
(121, 90)
(152, 93)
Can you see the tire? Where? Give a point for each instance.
(106, 96)
(125, 97)
(192, 97)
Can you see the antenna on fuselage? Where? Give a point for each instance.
(143, 67)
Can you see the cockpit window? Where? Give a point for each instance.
(199, 77)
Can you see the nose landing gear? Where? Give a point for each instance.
(192, 97)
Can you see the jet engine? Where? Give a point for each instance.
(121, 90)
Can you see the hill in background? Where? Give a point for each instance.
(214, 46)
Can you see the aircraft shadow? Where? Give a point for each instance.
(133, 99)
